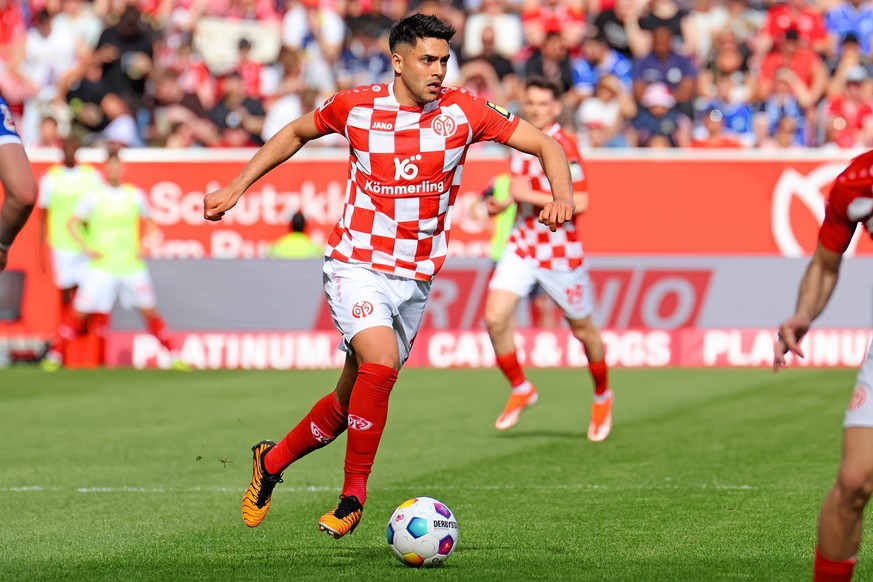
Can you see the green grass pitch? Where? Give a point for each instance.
(708, 475)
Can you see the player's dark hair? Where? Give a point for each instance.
(543, 83)
(408, 30)
(298, 222)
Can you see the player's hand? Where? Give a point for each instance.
(215, 204)
(93, 255)
(861, 210)
(788, 339)
(556, 213)
(495, 207)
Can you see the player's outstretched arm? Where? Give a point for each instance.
(526, 138)
(20, 187)
(816, 287)
(281, 146)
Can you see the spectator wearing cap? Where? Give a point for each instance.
(602, 117)
(659, 121)
(795, 15)
(800, 67)
(711, 134)
(597, 60)
(849, 116)
(667, 67)
(236, 111)
(853, 17)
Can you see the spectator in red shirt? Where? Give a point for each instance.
(793, 15)
(553, 16)
(801, 67)
(249, 70)
(849, 117)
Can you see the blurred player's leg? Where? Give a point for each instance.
(601, 409)
(69, 329)
(500, 309)
(378, 359)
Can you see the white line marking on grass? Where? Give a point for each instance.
(323, 488)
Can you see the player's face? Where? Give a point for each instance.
(422, 69)
(541, 109)
(113, 171)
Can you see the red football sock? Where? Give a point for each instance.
(368, 411)
(600, 375)
(158, 328)
(99, 323)
(508, 364)
(825, 570)
(67, 331)
(326, 421)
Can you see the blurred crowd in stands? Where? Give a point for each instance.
(635, 73)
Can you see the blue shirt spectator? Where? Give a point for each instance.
(851, 17)
(737, 119)
(775, 109)
(664, 65)
(598, 60)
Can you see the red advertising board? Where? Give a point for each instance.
(639, 205)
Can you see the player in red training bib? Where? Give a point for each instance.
(842, 512)
(18, 182)
(407, 143)
(554, 260)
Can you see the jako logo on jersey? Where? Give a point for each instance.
(362, 309)
(406, 168)
(383, 125)
(318, 434)
(358, 423)
(444, 125)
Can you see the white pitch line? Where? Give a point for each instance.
(322, 488)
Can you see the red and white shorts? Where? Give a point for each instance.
(360, 298)
(860, 411)
(571, 290)
(98, 291)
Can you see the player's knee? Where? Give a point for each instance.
(495, 320)
(855, 485)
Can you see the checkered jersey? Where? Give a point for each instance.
(560, 250)
(405, 167)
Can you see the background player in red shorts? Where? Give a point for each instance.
(535, 255)
(18, 182)
(842, 512)
(407, 144)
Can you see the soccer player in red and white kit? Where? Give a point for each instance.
(534, 255)
(407, 144)
(842, 512)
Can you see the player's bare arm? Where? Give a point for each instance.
(816, 288)
(76, 226)
(526, 138)
(281, 147)
(521, 191)
(20, 186)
